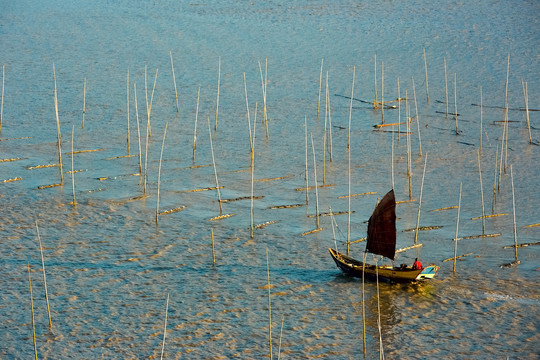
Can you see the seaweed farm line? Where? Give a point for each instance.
(176, 198)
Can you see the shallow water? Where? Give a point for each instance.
(110, 267)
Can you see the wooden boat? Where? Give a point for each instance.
(381, 240)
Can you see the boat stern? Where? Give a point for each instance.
(428, 273)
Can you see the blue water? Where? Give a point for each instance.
(109, 266)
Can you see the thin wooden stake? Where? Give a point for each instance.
(249, 120)
(174, 81)
(269, 306)
(59, 136)
(127, 110)
(446, 87)
(150, 106)
(306, 172)
(253, 170)
(399, 108)
(72, 169)
(218, 86)
(329, 119)
(457, 227)
(381, 349)
(215, 170)
(159, 171)
(375, 80)
(44, 277)
(138, 128)
(316, 188)
(506, 114)
(481, 116)
(417, 120)
(195, 127)
(427, 88)
(165, 327)
(320, 86)
(350, 108)
(33, 318)
(364, 303)
(84, 102)
(409, 171)
(280, 336)
(495, 181)
(349, 199)
(420, 202)
(2, 105)
(482, 195)
(382, 92)
(514, 208)
(455, 103)
(213, 249)
(526, 96)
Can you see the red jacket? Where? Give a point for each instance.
(417, 265)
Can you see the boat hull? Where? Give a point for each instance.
(402, 274)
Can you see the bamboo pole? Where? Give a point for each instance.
(247, 110)
(455, 102)
(174, 81)
(213, 249)
(329, 120)
(159, 171)
(514, 209)
(481, 118)
(127, 110)
(427, 87)
(44, 277)
(72, 169)
(165, 327)
(399, 108)
(364, 303)
(526, 96)
(457, 227)
(269, 306)
(316, 189)
(350, 108)
(146, 151)
(320, 86)
(349, 198)
(482, 195)
(263, 85)
(506, 113)
(215, 170)
(84, 102)
(195, 127)
(2, 104)
(59, 136)
(306, 172)
(381, 349)
(382, 92)
(138, 128)
(325, 130)
(375, 80)
(253, 170)
(280, 336)
(446, 86)
(409, 172)
(149, 108)
(417, 120)
(420, 202)
(218, 86)
(495, 181)
(33, 317)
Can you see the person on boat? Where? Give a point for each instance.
(417, 264)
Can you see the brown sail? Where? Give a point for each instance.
(381, 232)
